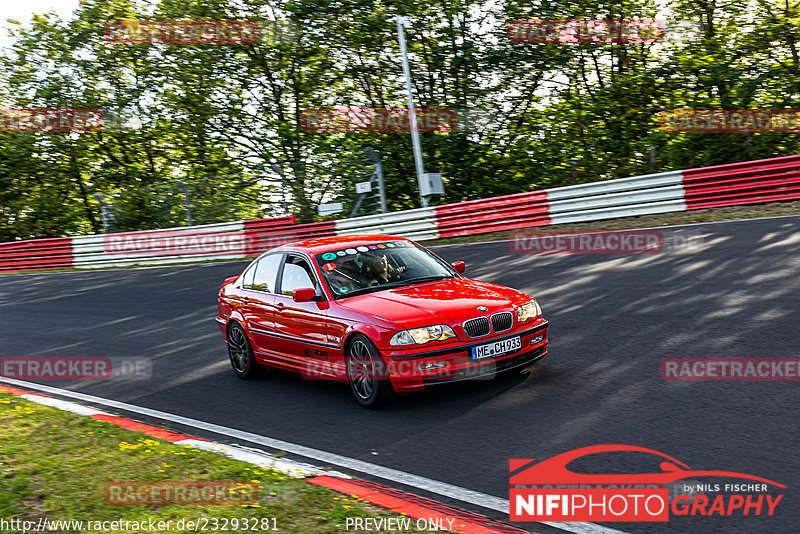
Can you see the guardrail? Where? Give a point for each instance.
(626, 197)
(34, 254)
(419, 224)
(737, 184)
(743, 183)
(159, 247)
(520, 210)
(264, 234)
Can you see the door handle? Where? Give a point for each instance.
(279, 306)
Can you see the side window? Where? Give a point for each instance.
(296, 275)
(266, 271)
(247, 279)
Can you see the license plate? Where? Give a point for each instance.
(497, 348)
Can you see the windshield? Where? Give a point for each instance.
(353, 271)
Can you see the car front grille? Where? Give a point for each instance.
(476, 327)
(502, 321)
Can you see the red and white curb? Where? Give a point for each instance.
(410, 505)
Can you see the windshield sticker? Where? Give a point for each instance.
(329, 266)
(373, 247)
(390, 245)
(362, 249)
(381, 246)
(350, 251)
(341, 253)
(329, 256)
(344, 289)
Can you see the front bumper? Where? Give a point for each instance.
(454, 363)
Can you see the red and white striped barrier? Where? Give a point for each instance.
(749, 182)
(35, 254)
(160, 247)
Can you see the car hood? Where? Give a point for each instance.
(450, 301)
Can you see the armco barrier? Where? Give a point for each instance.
(36, 254)
(521, 210)
(625, 197)
(748, 182)
(417, 224)
(263, 234)
(160, 247)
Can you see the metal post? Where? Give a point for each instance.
(378, 174)
(652, 159)
(279, 171)
(186, 202)
(103, 211)
(403, 22)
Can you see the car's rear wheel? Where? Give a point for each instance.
(241, 354)
(366, 373)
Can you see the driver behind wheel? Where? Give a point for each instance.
(380, 271)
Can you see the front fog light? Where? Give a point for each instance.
(536, 340)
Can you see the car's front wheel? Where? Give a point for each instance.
(240, 353)
(366, 373)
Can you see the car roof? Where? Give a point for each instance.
(326, 244)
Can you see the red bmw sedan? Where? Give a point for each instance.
(382, 313)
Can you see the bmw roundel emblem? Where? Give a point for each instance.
(482, 308)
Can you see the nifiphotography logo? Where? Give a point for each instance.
(549, 491)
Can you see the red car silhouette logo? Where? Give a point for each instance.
(554, 470)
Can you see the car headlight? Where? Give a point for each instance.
(419, 336)
(528, 311)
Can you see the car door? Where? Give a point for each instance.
(258, 307)
(301, 325)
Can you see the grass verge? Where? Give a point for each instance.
(55, 465)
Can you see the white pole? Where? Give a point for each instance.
(403, 22)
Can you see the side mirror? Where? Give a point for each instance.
(460, 266)
(305, 294)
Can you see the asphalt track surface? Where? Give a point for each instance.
(731, 290)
